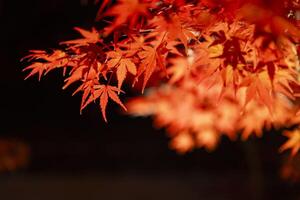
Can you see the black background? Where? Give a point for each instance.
(77, 156)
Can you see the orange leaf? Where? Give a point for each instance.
(123, 65)
(89, 37)
(126, 11)
(293, 142)
(102, 92)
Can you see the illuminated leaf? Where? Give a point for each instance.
(293, 142)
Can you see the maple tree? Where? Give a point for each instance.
(209, 67)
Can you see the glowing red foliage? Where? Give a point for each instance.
(222, 67)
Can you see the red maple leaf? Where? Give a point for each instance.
(104, 92)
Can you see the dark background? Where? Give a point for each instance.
(77, 156)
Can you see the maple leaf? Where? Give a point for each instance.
(231, 51)
(35, 54)
(87, 64)
(175, 29)
(35, 68)
(133, 45)
(123, 65)
(178, 69)
(104, 92)
(182, 143)
(50, 61)
(208, 139)
(126, 11)
(149, 61)
(233, 66)
(90, 37)
(254, 120)
(262, 89)
(293, 142)
(152, 58)
(83, 72)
